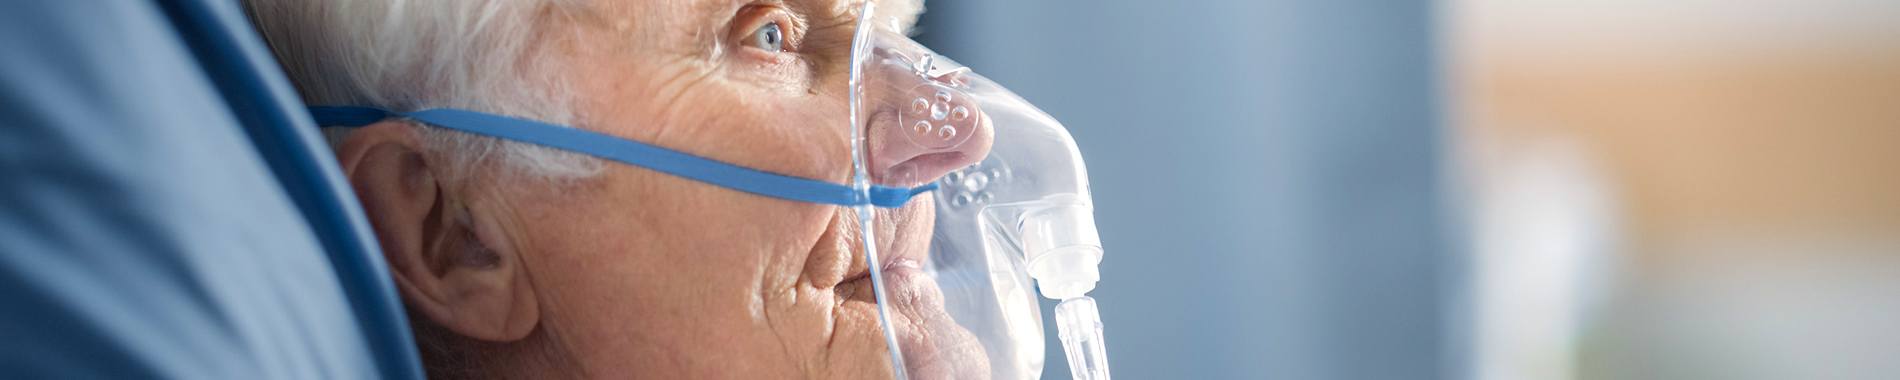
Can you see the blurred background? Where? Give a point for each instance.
(1475, 189)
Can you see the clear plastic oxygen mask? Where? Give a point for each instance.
(1017, 223)
(956, 271)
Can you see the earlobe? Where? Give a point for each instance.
(450, 260)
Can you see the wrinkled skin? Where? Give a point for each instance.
(640, 274)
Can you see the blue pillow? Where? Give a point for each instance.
(167, 211)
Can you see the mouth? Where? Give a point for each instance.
(900, 244)
(934, 345)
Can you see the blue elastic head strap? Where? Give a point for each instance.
(632, 153)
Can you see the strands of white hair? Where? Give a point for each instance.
(410, 55)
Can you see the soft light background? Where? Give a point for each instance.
(1475, 189)
(1681, 189)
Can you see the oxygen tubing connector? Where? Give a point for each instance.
(1080, 327)
(1063, 251)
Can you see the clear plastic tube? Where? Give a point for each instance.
(1079, 325)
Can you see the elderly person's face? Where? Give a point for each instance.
(640, 274)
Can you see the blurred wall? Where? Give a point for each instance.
(1266, 174)
(1751, 152)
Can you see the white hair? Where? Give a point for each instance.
(409, 55)
(906, 12)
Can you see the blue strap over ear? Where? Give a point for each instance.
(632, 153)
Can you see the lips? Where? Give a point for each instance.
(934, 346)
(899, 244)
(895, 263)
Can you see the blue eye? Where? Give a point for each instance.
(769, 37)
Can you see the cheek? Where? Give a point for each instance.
(657, 266)
(801, 132)
(805, 136)
(647, 266)
(859, 350)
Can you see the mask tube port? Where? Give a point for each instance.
(1062, 249)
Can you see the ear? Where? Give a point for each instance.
(450, 262)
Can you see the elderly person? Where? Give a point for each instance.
(521, 261)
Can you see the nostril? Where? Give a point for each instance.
(923, 169)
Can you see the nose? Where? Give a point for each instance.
(925, 131)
